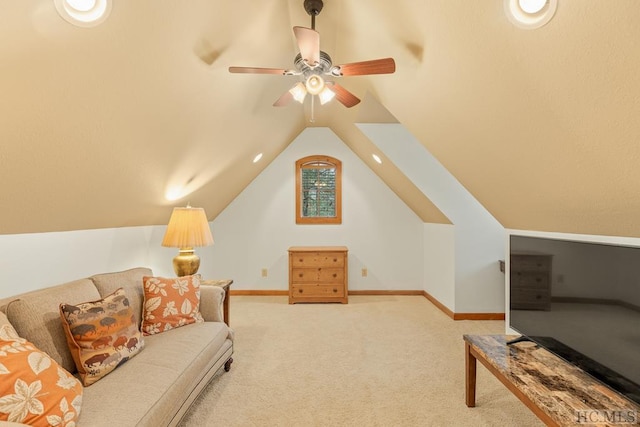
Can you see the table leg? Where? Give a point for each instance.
(470, 376)
(225, 306)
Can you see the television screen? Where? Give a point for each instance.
(580, 300)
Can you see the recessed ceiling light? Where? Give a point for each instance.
(532, 6)
(82, 5)
(530, 14)
(257, 158)
(83, 13)
(377, 158)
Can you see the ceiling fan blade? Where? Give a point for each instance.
(309, 44)
(285, 99)
(256, 70)
(345, 97)
(375, 66)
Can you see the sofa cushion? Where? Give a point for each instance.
(130, 280)
(159, 383)
(36, 317)
(34, 390)
(170, 303)
(101, 334)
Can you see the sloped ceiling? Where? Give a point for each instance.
(96, 125)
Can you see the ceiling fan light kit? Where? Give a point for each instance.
(314, 84)
(311, 64)
(298, 92)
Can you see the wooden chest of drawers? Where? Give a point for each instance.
(530, 281)
(318, 274)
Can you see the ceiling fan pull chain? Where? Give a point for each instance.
(312, 119)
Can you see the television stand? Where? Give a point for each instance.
(558, 392)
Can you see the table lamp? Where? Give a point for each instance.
(188, 227)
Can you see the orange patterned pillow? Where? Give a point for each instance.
(34, 388)
(170, 303)
(101, 335)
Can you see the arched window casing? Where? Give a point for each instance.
(318, 190)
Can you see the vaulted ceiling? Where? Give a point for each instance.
(97, 124)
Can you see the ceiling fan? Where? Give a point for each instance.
(314, 66)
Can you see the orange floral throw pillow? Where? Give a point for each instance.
(101, 335)
(170, 303)
(34, 388)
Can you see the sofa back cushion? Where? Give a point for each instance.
(3, 319)
(36, 317)
(130, 281)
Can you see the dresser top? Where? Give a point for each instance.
(318, 249)
(530, 253)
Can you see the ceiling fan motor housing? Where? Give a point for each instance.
(323, 67)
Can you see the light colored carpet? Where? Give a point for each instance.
(377, 361)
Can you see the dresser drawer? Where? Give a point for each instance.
(310, 290)
(530, 263)
(530, 299)
(319, 274)
(317, 259)
(530, 280)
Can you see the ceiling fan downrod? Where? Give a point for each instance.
(313, 8)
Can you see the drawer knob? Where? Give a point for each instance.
(335, 260)
(335, 290)
(300, 290)
(300, 275)
(335, 275)
(300, 259)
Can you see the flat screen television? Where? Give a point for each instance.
(581, 301)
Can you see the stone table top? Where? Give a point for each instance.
(562, 390)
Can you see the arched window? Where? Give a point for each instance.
(318, 190)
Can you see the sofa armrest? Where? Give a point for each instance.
(211, 298)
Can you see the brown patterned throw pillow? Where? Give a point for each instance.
(34, 389)
(101, 335)
(170, 303)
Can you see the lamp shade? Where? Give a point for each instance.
(188, 227)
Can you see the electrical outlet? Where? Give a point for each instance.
(264, 272)
(364, 272)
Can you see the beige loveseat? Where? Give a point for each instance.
(154, 388)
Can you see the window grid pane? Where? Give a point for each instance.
(318, 190)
